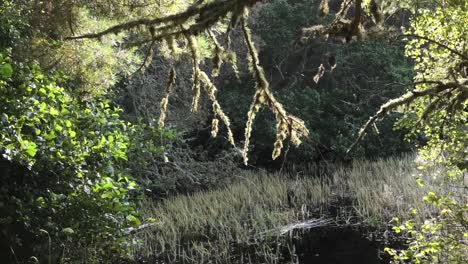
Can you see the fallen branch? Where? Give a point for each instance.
(308, 224)
(304, 225)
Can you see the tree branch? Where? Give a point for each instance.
(217, 7)
(437, 43)
(205, 14)
(404, 99)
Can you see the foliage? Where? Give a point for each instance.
(183, 169)
(12, 27)
(68, 161)
(277, 22)
(366, 75)
(35, 33)
(437, 108)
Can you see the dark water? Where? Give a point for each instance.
(339, 245)
(323, 245)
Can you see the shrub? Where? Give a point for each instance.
(64, 163)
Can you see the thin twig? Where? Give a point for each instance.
(148, 53)
(437, 43)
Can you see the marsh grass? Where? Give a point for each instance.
(240, 223)
(383, 189)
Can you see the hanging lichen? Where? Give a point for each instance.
(200, 76)
(217, 110)
(323, 8)
(198, 20)
(163, 105)
(214, 127)
(218, 55)
(287, 125)
(221, 55)
(342, 27)
(196, 71)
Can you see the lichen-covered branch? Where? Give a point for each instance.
(217, 110)
(202, 12)
(163, 105)
(402, 100)
(196, 71)
(346, 28)
(200, 18)
(218, 55)
(286, 125)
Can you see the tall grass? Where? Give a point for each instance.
(240, 223)
(209, 225)
(382, 189)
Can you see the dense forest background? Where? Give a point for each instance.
(198, 132)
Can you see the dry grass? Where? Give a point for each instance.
(239, 224)
(382, 189)
(205, 225)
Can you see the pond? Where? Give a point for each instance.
(339, 245)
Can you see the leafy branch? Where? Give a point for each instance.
(407, 98)
(464, 57)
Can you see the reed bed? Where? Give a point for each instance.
(241, 223)
(383, 189)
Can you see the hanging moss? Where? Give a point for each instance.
(286, 125)
(199, 19)
(163, 105)
(196, 71)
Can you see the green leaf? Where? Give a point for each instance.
(6, 71)
(151, 220)
(43, 107)
(53, 111)
(68, 123)
(133, 220)
(40, 201)
(420, 182)
(107, 186)
(107, 195)
(50, 136)
(30, 147)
